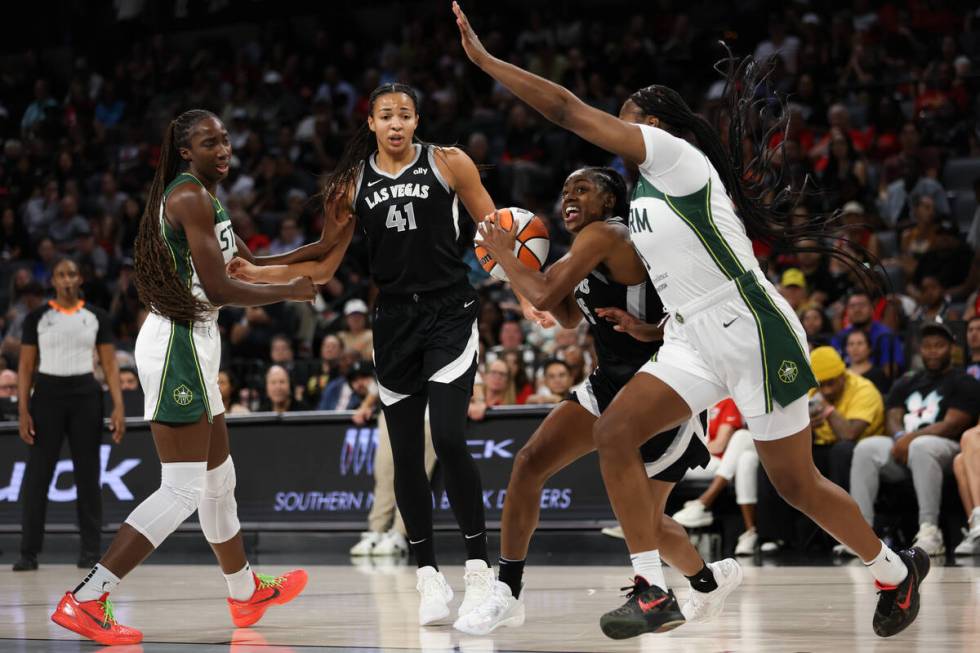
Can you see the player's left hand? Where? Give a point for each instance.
(471, 42)
(117, 424)
(240, 269)
(495, 238)
(630, 324)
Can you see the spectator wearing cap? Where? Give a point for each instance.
(792, 286)
(348, 393)
(357, 336)
(843, 409)
(858, 234)
(926, 414)
(886, 347)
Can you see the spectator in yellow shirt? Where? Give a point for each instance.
(846, 408)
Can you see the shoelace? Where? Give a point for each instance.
(266, 581)
(484, 579)
(633, 588)
(108, 617)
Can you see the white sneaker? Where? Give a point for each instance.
(435, 595)
(499, 608)
(930, 540)
(970, 545)
(478, 580)
(366, 544)
(614, 531)
(844, 551)
(702, 607)
(392, 543)
(771, 547)
(694, 515)
(746, 543)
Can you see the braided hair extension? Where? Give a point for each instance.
(763, 199)
(159, 287)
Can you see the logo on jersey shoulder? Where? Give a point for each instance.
(639, 221)
(183, 395)
(420, 171)
(398, 190)
(788, 371)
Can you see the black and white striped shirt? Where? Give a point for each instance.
(65, 338)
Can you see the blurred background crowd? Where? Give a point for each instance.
(883, 117)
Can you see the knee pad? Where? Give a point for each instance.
(219, 511)
(179, 495)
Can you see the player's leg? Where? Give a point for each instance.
(249, 594)
(784, 443)
(564, 436)
(183, 452)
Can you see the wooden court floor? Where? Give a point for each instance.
(181, 608)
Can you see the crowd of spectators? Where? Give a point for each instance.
(883, 119)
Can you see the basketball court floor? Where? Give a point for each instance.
(372, 607)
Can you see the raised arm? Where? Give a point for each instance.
(555, 102)
(190, 205)
(337, 219)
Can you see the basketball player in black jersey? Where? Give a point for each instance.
(602, 280)
(405, 196)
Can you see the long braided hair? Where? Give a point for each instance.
(361, 145)
(763, 198)
(157, 283)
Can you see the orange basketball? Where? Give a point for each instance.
(531, 246)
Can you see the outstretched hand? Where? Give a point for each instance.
(471, 42)
(630, 324)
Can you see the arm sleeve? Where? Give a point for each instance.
(104, 335)
(674, 166)
(28, 334)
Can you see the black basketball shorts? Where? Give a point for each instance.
(425, 337)
(667, 455)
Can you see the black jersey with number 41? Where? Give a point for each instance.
(619, 354)
(415, 234)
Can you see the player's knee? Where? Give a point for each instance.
(218, 511)
(611, 435)
(179, 495)
(794, 489)
(450, 446)
(527, 465)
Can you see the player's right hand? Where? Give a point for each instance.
(239, 268)
(471, 42)
(25, 425)
(302, 289)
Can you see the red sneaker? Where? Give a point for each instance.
(269, 591)
(94, 620)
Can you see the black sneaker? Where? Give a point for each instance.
(899, 605)
(26, 563)
(648, 609)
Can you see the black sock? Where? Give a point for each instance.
(704, 580)
(476, 547)
(511, 573)
(425, 553)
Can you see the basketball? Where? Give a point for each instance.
(530, 248)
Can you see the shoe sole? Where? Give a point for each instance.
(915, 612)
(615, 629)
(701, 523)
(435, 620)
(611, 533)
(515, 621)
(70, 625)
(255, 617)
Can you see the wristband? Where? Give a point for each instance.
(898, 434)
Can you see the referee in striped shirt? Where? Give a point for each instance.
(57, 342)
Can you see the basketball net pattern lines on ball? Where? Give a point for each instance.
(530, 246)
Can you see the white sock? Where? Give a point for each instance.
(98, 582)
(241, 584)
(975, 517)
(646, 564)
(887, 567)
